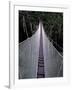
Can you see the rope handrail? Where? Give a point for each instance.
(56, 43)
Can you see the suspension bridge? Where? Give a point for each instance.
(38, 58)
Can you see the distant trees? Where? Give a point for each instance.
(27, 24)
(52, 22)
(54, 29)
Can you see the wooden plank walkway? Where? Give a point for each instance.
(40, 72)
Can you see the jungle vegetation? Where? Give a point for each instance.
(52, 22)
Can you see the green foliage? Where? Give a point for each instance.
(52, 22)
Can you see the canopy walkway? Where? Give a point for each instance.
(38, 58)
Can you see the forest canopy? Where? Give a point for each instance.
(52, 22)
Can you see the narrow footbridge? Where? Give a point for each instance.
(38, 58)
